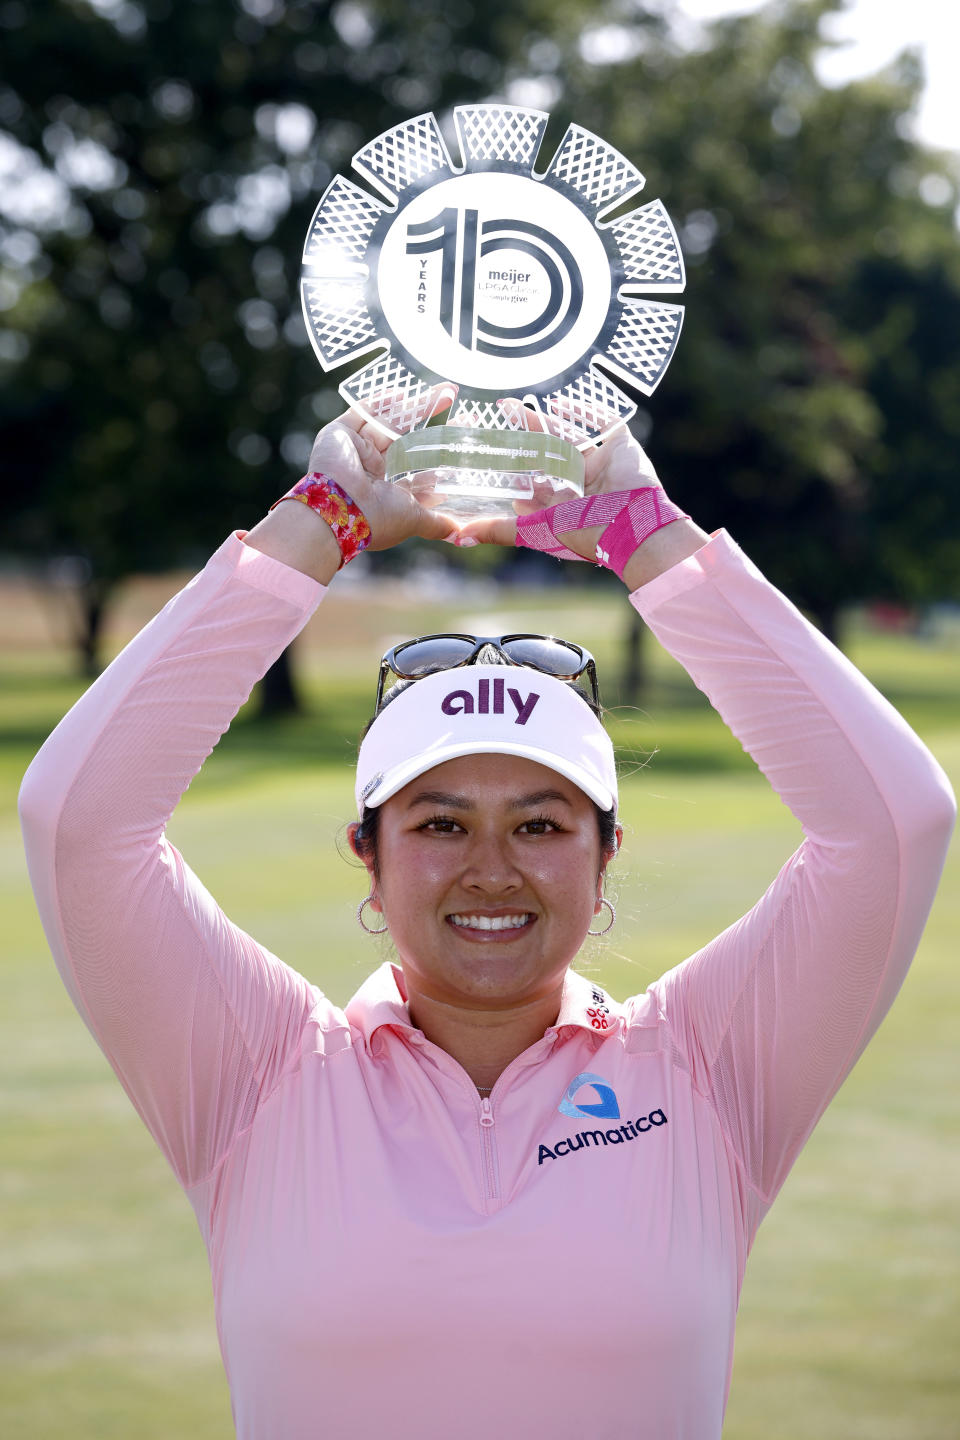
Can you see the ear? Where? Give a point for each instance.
(605, 860)
(352, 829)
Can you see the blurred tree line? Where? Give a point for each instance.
(159, 164)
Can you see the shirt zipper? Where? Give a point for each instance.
(489, 1153)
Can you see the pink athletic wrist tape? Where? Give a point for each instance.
(645, 512)
(628, 516)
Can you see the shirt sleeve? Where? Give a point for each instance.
(771, 1016)
(198, 1021)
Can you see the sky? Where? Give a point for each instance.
(876, 31)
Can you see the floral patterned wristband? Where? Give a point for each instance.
(345, 518)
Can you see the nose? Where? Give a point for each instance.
(490, 869)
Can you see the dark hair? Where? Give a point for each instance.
(367, 834)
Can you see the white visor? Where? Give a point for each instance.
(485, 710)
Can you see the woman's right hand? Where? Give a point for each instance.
(349, 451)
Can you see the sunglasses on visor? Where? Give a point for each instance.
(414, 659)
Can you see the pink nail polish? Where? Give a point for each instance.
(465, 540)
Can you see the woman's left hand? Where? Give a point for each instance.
(618, 463)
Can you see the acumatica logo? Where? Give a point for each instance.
(600, 1104)
(591, 1097)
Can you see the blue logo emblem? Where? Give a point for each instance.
(604, 1108)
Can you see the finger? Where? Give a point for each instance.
(429, 499)
(393, 408)
(619, 438)
(439, 403)
(433, 403)
(489, 530)
(367, 445)
(373, 455)
(621, 447)
(430, 403)
(379, 439)
(543, 496)
(369, 442)
(524, 417)
(352, 419)
(335, 449)
(435, 525)
(574, 410)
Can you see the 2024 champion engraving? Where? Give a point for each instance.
(505, 282)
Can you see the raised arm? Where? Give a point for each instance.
(198, 1020)
(772, 1014)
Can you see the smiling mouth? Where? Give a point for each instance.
(499, 925)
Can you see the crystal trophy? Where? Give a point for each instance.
(502, 281)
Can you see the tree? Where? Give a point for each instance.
(909, 310)
(811, 406)
(168, 157)
(159, 388)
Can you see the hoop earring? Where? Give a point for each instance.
(383, 928)
(612, 921)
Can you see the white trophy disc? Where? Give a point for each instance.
(502, 281)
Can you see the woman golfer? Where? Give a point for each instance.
(485, 1200)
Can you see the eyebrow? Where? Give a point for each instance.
(460, 802)
(538, 797)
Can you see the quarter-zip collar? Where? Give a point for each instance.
(585, 1006)
(380, 1002)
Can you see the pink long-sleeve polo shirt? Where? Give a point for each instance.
(392, 1254)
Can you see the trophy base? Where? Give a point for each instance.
(471, 471)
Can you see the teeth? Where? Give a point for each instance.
(490, 922)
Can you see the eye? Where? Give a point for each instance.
(439, 825)
(541, 825)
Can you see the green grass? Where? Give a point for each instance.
(850, 1320)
